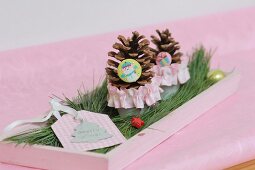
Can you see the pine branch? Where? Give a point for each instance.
(96, 101)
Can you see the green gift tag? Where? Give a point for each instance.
(89, 132)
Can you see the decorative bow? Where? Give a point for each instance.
(56, 107)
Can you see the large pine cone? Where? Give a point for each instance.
(137, 48)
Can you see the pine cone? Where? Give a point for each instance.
(166, 43)
(137, 48)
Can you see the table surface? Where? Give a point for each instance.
(223, 137)
(249, 165)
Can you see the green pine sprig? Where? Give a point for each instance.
(96, 101)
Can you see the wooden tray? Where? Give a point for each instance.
(46, 157)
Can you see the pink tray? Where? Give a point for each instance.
(46, 157)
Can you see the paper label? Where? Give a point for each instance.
(89, 132)
(129, 70)
(163, 59)
(95, 132)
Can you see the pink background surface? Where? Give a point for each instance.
(224, 136)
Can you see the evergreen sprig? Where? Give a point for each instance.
(96, 101)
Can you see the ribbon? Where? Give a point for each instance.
(56, 107)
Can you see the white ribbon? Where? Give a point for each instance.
(56, 108)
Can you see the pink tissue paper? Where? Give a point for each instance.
(223, 137)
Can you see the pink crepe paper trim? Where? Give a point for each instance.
(150, 93)
(173, 74)
(134, 98)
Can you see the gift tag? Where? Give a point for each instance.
(94, 132)
(129, 70)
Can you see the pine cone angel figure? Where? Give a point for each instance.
(130, 75)
(171, 66)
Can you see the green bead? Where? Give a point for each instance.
(216, 75)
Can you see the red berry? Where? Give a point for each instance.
(137, 122)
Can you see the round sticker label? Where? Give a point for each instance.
(129, 70)
(163, 59)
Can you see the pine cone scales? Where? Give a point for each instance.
(166, 43)
(137, 48)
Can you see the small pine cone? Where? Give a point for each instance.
(166, 43)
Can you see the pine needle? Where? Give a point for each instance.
(96, 101)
